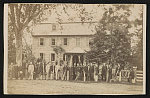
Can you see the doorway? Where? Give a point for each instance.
(75, 60)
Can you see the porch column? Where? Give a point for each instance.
(71, 60)
(65, 59)
(79, 58)
(84, 77)
(84, 61)
(120, 76)
(107, 73)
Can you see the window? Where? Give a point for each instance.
(87, 42)
(52, 57)
(53, 27)
(42, 56)
(77, 41)
(41, 41)
(53, 41)
(65, 41)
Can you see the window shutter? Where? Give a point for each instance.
(38, 41)
(56, 41)
(54, 57)
(43, 41)
(49, 57)
(67, 41)
(50, 41)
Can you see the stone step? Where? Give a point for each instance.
(139, 80)
(139, 74)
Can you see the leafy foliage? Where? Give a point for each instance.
(58, 49)
(112, 42)
(138, 54)
(19, 18)
(11, 48)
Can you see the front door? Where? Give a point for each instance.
(75, 60)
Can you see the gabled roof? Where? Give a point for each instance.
(64, 29)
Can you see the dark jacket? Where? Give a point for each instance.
(91, 69)
(96, 70)
(104, 70)
(131, 74)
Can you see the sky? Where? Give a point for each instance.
(96, 11)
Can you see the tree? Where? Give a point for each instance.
(137, 59)
(58, 50)
(11, 47)
(112, 42)
(19, 18)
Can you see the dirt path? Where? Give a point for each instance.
(66, 87)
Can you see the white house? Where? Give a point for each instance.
(72, 37)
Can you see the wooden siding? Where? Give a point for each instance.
(47, 48)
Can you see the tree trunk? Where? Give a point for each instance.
(19, 49)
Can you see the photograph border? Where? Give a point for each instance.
(6, 48)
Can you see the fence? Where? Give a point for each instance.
(124, 75)
(139, 76)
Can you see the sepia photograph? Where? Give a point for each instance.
(74, 49)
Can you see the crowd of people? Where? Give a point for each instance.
(62, 71)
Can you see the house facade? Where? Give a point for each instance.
(72, 38)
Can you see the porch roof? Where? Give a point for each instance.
(76, 50)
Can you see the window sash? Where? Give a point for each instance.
(65, 41)
(41, 41)
(52, 57)
(53, 41)
(42, 55)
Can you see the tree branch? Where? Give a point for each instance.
(11, 15)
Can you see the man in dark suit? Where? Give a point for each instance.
(109, 73)
(85, 72)
(91, 70)
(88, 72)
(104, 72)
